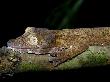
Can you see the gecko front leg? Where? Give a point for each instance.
(65, 54)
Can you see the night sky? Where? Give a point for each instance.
(16, 16)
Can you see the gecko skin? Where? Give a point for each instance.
(61, 45)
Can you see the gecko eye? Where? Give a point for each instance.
(33, 40)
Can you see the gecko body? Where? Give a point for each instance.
(61, 45)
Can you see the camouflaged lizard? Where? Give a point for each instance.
(60, 45)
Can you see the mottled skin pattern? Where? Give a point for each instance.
(64, 44)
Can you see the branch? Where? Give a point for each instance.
(12, 62)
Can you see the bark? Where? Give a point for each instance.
(13, 62)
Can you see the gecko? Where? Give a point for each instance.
(60, 45)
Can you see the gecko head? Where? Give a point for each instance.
(35, 39)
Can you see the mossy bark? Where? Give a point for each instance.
(12, 62)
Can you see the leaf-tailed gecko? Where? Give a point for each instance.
(61, 45)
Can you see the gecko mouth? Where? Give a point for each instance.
(38, 51)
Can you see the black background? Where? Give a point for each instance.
(16, 16)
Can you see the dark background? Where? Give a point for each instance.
(16, 16)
